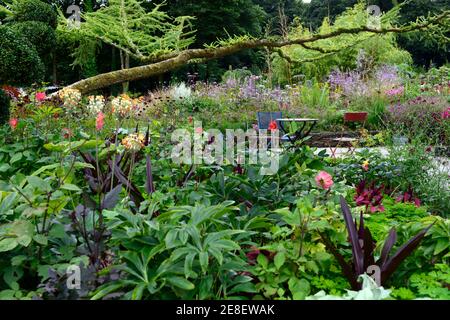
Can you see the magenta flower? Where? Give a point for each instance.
(446, 114)
(40, 96)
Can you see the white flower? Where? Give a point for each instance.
(96, 104)
(181, 91)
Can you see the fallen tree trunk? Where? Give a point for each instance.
(175, 60)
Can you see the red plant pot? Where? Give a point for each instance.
(355, 116)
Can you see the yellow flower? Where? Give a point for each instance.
(71, 98)
(134, 142)
(365, 165)
(122, 106)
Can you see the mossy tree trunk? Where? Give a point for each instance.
(178, 59)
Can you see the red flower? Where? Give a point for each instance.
(13, 123)
(273, 125)
(190, 119)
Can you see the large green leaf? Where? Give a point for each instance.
(181, 283)
(8, 244)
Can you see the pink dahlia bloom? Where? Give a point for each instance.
(40, 96)
(324, 180)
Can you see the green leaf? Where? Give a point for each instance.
(45, 168)
(279, 260)
(247, 287)
(4, 167)
(181, 283)
(7, 295)
(71, 187)
(24, 231)
(39, 183)
(105, 290)
(7, 203)
(205, 287)
(188, 262)
(8, 244)
(18, 260)
(15, 158)
(204, 257)
(138, 292)
(262, 261)
(83, 165)
(41, 239)
(171, 238)
(299, 288)
(441, 245)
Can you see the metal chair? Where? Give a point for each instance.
(264, 120)
(348, 142)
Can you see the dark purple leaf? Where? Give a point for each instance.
(88, 201)
(361, 227)
(353, 236)
(112, 198)
(137, 196)
(368, 248)
(390, 241)
(402, 253)
(149, 183)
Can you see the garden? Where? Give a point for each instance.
(99, 100)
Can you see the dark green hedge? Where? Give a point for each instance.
(35, 10)
(4, 107)
(19, 61)
(39, 34)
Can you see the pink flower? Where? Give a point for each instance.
(199, 130)
(40, 96)
(395, 91)
(446, 114)
(324, 180)
(100, 121)
(13, 123)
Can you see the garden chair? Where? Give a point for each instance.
(264, 120)
(347, 142)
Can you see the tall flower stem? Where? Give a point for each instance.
(116, 143)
